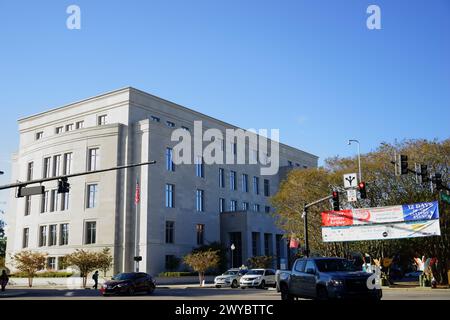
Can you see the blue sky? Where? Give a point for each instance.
(310, 68)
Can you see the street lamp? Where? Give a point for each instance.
(359, 157)
(233, 247)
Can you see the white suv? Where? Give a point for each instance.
(258, 278)
(229, 278)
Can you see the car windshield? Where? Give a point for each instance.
(255, 272)
(333, 265)
(231, 273)
(124, 276)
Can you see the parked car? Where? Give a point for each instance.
(258, 278)
(281, 275)
(129, 283)
(326, 278)
(230, 278)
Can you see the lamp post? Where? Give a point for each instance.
(233, 247)
(359, 157)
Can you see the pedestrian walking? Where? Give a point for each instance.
(4, 279)
(95, 278)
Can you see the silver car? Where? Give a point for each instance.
(230, 278)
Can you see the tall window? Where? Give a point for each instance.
(56, 165)
(65, 201)
(39, 135)
(233, 180)
(68, 157)
(94, 159)
(245, 206)
(221, 178)
(221, 205)
(170, 228)
(79, 125)
(30, 168)
(200, 234)
(267, 244)
(44, 201)
(255, 244)
(52, 235)
(64, 234)
(51, 263)
(69, 127)
(46, 167)
(199, 167)
(42, 236)
(170, 189)
(267, 209)
(54, 200)
(244, 182)
(233, 205)
(266, 188)
(170, 166)
(256, 208)
(27, 205)
(200, 200)
(101, 120)
(26, 237)
(91, 232)
(59, 130)
(92, 190)
(256, 185)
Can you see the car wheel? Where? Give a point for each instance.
(234, 284)
(130, 291)
(285, 295)
(322, 293)
(218, 287)
(262, 285)
(151, 289)
(243, 288)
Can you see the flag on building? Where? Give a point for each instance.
(294, 243)
(137, 197)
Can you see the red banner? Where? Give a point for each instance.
(337, 218)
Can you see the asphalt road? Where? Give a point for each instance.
(207, 294)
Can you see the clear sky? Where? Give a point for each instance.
(310, 68)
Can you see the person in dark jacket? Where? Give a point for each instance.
(95, 278)
(4, 279)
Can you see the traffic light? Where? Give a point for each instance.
(403, 164)
(336, 206)
(424, 174)
(362, 190)
(437, 180)
(63, 186)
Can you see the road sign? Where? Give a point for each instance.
(351, 195)
(445, 197)
(350, 181)
(30, 191)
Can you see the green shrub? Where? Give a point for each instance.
(45, 274)
(177, 274)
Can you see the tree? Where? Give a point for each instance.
(85, 261)
(383, 189)
(260, 262)
(216, 246)
(105, 260)
(30, 263)
(202, 261)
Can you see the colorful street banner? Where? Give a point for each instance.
(404, 213)
(414, 229)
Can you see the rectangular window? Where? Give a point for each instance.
(56, 165)
(42, 236)
(267, 244)
(94, 159)
(68, 159)
(69, 127)
(46, 168)
(59, 130)
(170, 124)
(39, 135)
(170, 166)
(244, 182)
(170, 227)
(101, 120)
(267, 209)
(91, 232)
(52, 235)
(222, 205)
(30, 169)
(233, 205)
(289, 163)
(233, 180)
(266, 188)
(170, 190)
(245, 206)
(65, 201)
(27, 205)
(199, 167)
(221, 178)
(200, 234)
(51, 263)
(64, 234)
(155, 119)
(256, 185)
(54, 200)
(92, 190)
(44, 201)
(256, 208)
(26, 237)
(200, 200)
(79, 125)
(255, 244)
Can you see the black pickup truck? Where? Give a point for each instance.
(326, 278)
